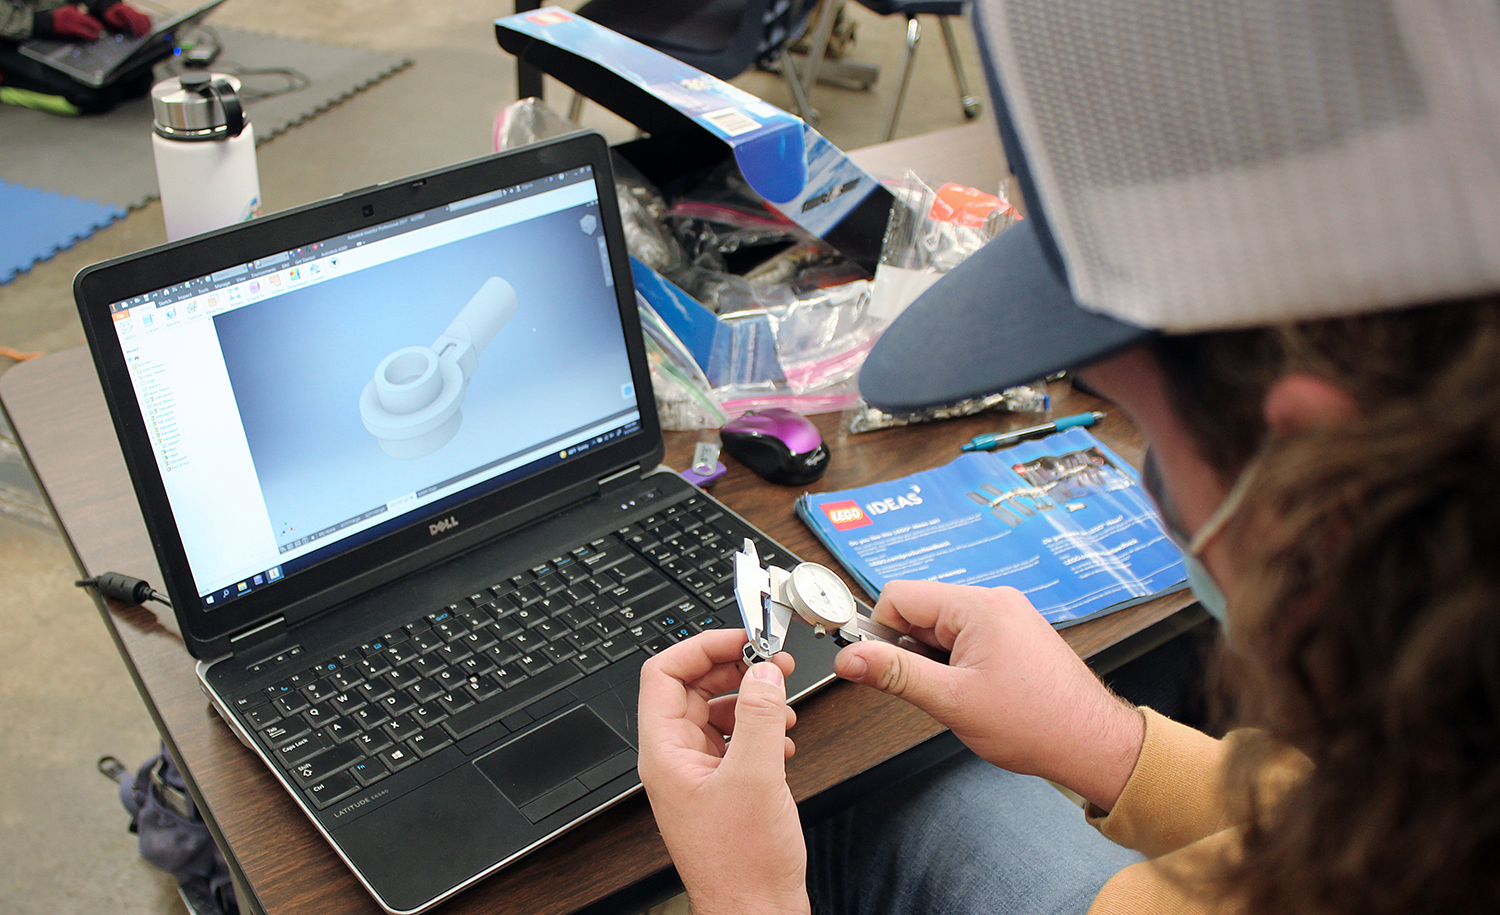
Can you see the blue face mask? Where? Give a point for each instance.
(1198, 577)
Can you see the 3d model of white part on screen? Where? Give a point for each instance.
(412, 404)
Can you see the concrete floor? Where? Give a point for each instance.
(65, 698)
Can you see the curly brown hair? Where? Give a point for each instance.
(1366, 633)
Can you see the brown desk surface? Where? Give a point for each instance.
(56, 407)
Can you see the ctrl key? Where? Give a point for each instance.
(334, 788)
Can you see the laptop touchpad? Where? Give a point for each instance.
(540, 772)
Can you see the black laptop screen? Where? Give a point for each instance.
(307, 402)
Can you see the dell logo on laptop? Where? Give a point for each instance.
(447, 524)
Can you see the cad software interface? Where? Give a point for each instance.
(304, 403)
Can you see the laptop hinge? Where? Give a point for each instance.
(269, 629)
(620, 478)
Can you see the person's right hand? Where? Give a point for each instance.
(68, 22)
(1012, 691)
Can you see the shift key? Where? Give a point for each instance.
(326, 763)
(522, 694)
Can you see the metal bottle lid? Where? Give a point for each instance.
(198, 106)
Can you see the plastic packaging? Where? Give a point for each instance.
(204, 147)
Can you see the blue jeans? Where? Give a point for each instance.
(962, 837)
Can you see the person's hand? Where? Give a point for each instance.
(723, 806)
(1013, 691)
(67, 22)
(124, 18)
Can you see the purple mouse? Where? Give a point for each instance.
(778, 444)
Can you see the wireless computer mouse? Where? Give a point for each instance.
(778, 444)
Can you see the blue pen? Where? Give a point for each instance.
(1001, 439)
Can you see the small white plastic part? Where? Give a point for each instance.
(411, 406)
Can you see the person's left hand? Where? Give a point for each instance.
(123, 18)
(722, 804)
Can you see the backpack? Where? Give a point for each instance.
(173, 837)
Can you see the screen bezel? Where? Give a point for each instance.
(208, 631)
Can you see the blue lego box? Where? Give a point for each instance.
(695, 120)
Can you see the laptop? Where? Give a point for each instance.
(113, 56)
(398, 456)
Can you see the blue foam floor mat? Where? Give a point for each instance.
(36, 224)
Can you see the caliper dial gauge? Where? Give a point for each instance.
(820, 597)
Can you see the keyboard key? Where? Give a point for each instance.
(344, 703)
(332, 789)
(449, 679)
(372, 667)
(427, 666)
(429, 742)
(319, 690)
(369, 717)
(509, 675)
(616, 648)
(368, 771)
(397, 704)
(371, 690)
(528, 642)
(455, 702)
(559, 652)
(590, 661)
(583, 640)
(318, 715)
(451, 629)
(551, 630)
(342, 729)
(478, 640)
(427, 640)
(428, 715)
(575, 618)
(609, 627)
(344, 679)
(503, 654)
(326, 763)
(483, 714)
(452, 653)
(401, 729)
(507, 628)
(303, 748)
(402, 653)
(477, 666)
(279, 735)
(290, 704)
(263, 716)
(372, 742)
(528, 616)
(424, 691)
(481, 688)
(533, 664)
(402, 677)
(397, 758)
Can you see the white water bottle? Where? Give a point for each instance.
(205, 154)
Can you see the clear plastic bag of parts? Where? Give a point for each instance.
(930, 235)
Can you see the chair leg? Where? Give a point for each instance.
(795, 83)
(972, 104)
(913, 35)
(575, 107)
(826, 19)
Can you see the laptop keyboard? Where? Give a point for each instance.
(503, 655)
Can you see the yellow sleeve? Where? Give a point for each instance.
(1175, 795)
(1174, 810)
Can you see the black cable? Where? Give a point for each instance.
(123, 588)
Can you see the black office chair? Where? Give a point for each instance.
(911, 9)
(721, 37)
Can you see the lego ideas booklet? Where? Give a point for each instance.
(1062, 519)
